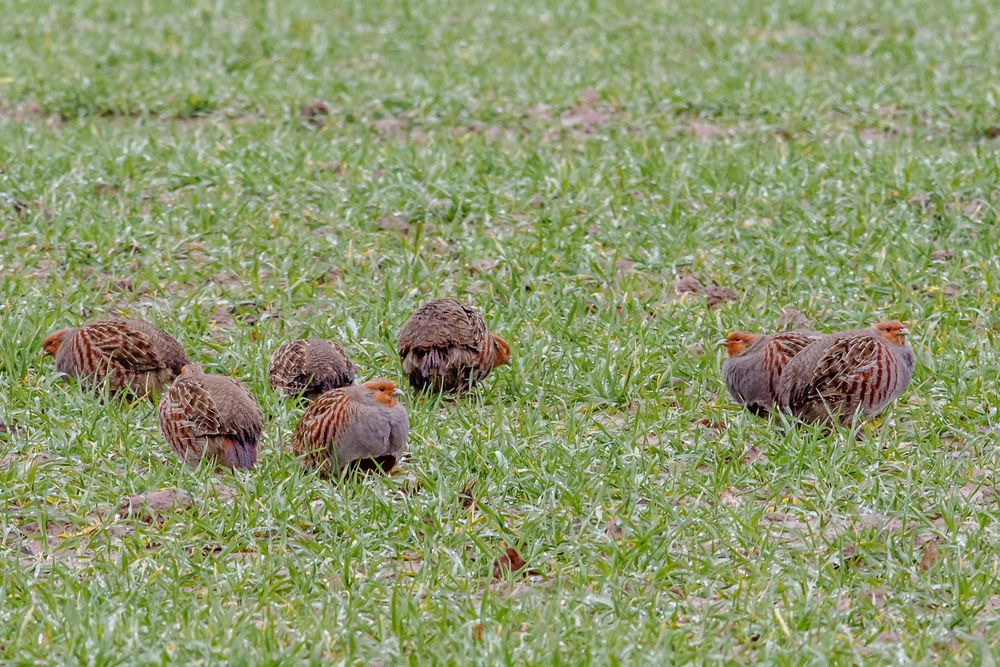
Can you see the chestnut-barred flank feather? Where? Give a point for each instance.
(132, 356)
(846, 373)
(211, 417)
(360, 425)
(446, 346)
(753, 370)
(310, 367)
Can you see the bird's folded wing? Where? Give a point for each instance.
(320, 423)
(846, 359)
(787, 344)
(287, 364)
(122, 344)
(198, 407)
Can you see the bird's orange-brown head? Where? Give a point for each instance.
(384, 391)
(737, 342)
(893, 331)
(54, 341)
(502, 352)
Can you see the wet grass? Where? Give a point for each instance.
(562, 169)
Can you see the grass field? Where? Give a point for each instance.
(563, 168)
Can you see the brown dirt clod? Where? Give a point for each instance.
(153, 506)
(482, 265)
(222, 319)
(717, 294)
(929, 556)
(394, 223)
(791, 318)
(506, 563)
(315, 113)
(389, 128)
(467, 497)
(688, 285)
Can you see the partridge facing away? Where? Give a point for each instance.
(361, 425)
(850, 372)
(753, 369)
(133, 356)
(310, 367)
(211, 417)
(446, 346)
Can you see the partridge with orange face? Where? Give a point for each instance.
(211, 417)
(360, 425)
(132, 356)
(310, 367)
(446, 346)
(843, 374)
(753, 369)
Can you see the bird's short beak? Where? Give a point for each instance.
(721, 342)
(397, 392)
(903, 331)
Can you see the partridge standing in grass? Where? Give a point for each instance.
(363, 425)
(445, 346)
(310, 367)
(752, 371)
(845, 373)
(211, 417)
(131, 355)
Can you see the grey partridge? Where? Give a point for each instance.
(132, 356)
(850, 372)
(310, 367)
(446, 346)
(211, 417)
(360, 425)
(753, 369)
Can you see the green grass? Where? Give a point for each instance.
(809, 155)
